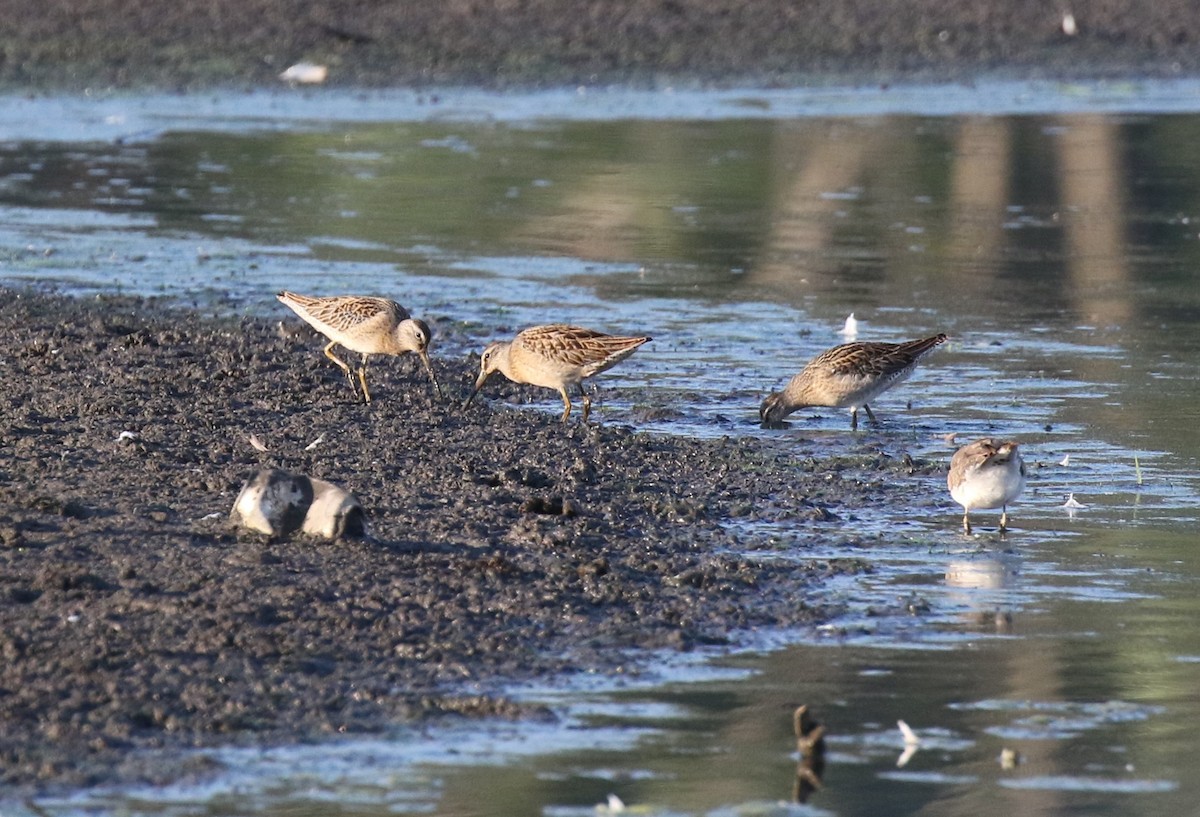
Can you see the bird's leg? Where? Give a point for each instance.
(854, 419)
(341, 364)
(587, 403)
(1003, 518)
(870, 414)
(566, 405)
(967, 522)
(362, 375)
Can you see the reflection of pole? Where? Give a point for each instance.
(1093, 212)
(803, 214)
(810, 743)
(979, 191)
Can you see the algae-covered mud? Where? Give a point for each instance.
(503, 545)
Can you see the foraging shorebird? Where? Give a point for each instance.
(363, 324)
(556, 356)
(848, 376)
(987, 473)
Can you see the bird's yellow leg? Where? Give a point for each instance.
(362, 375)
(587, 403)
(566, 404)
(341, 364)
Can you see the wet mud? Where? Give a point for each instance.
(502, 545)
(246, 43)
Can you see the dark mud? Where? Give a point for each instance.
(503, 545)
(245, 43)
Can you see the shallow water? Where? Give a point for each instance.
(1052, 232)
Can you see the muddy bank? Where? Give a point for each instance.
(505, 546)
(246, 43)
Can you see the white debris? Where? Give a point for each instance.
(1072, 503)
(1068, 24)
(911, 742)
(257, 443)
(127, 436)
(615, 805)
(850, 328)
(305, 73)
(1066, 460)
(315, 443)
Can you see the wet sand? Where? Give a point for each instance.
(504, 546)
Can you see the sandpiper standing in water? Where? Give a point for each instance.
(987, 473)
(556, 356)
(363, 324)
(848, 376)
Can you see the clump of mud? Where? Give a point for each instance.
(503, 545)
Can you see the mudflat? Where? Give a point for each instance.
(503, 545)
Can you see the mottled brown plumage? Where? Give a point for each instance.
(848, 376)
(556, 356)
(363, 324)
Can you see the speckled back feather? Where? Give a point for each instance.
(345, 313)
(873, 359)
(590, 351)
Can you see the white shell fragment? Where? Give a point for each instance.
(850, 327)
(305, 73)
(912, 742)
(258, 444)
(1068, 24)
(278, 504)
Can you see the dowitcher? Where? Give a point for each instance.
(556, 357)
(848, 376)
(986, 474)
(363, 324)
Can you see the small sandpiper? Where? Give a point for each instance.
(987, 473)
(848, 376)
(556, 356)
(363, 324)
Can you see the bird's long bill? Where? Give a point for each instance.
(479, 381)
(429, 368)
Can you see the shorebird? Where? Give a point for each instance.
(986, 474)
(848, 376)
(556, 356)
(363, 324)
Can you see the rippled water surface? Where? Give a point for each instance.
(1054, 233)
